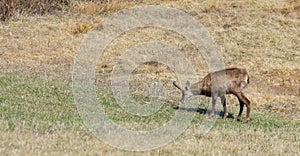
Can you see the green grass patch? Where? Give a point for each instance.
(35, 104)
(135, 122)
(31, 104)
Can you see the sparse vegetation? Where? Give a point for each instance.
(39, 41)
(10, 8)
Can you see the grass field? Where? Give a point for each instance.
(38, 115)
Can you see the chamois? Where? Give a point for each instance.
(213, 85)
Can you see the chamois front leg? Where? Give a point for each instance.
(243, 100)
(247, 102)
(223, 100)
(241, 110)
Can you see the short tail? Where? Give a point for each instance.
(248, 80)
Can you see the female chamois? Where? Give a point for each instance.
(217, 84)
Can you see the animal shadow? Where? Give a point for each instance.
(202, 111)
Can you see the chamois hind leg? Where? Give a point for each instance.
(223, 101)
(214, 100)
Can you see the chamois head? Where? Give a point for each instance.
(185, 93)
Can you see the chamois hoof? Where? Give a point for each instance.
(225, 116)
(175, 107)
(247, 120)
(211, 115)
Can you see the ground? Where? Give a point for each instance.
(37, 53)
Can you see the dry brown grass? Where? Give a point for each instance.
(83, 27)
(11, 8)
(96, 8)
(70, 143)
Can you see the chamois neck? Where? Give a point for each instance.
(196, 88)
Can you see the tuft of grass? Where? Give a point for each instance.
(82, 27)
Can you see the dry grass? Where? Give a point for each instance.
(64, 144)
(96, 8)
(261, 36)
(11, 8)
(83, 27)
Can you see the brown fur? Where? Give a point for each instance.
(214, 85)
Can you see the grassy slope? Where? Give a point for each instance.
(38, 115)
(43, 119)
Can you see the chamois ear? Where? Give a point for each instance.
(187, 87)
(174, 83)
